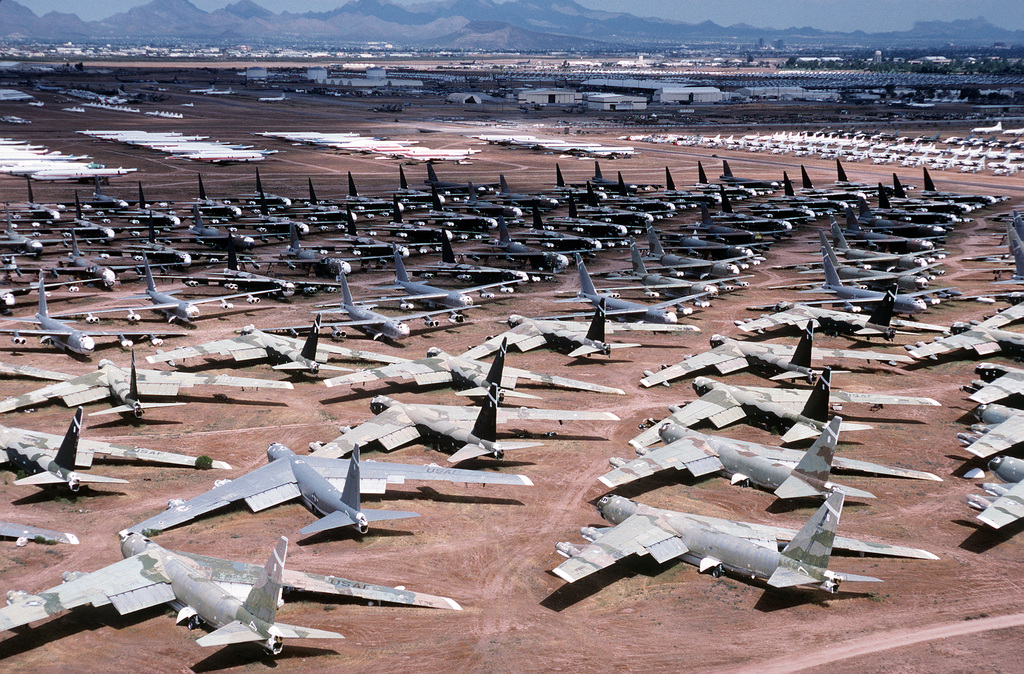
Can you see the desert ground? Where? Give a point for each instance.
(492, 548)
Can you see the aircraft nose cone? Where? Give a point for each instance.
(186, 259)
(671, 318)
(402, 329)
(87, 344)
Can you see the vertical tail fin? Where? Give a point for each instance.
(705, 215)
(264, 211)
(826, 248)
(559, 180)
(31, 199)
(352, 191)
(586, 285)
(435, 199)
(816, 406)
(538, 223)
(150, 283)
(266, 591)
(812, 545)
(639, 268)
(152, 229)
(503, 185)
(313, 338)
(883, 198)
(402, 182)
(497, 369)
(202, 190)
(7, 210)
(471, 195)
(623, 192)
(670, 185)
(503, 235)
(573, 213)
(97, 190)
(400, 273)
(805, 179)
(431, 175)
(852, 223)
(787, 185)
(929, 186)
(259, 183)
(350, 222)
(447, 254)
(802, 353)
(312, 194)
(350, 495)
(862, 207)
(591, 195)
(596, 330)
(142, 198)
(702, 177)
(133, 382)
(882, 315)
(74, 244)
(197, 218)
(841, 172)
(1016, 249)
(396, 212)
(726, 171)
(293, 234)
(68, 452)
(815, 466)
(78, 207)
(653, 242)
(726, 203)
(486, 426)
(42, 297)
(838, 239)
(597, 171)
(346, 294)
(232, 255)
(897, 187)
(831, 276)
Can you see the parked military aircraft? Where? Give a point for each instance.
(716, 545)
(621, 309)
(852, 295)
(729, 355)
(1008, 503)
(983, 338)
(749, 183)
(200, 589)
(723, 404)
(789, 473)
(25, 533)
(67, 338)
(448, 427)
(43, 468)
(126, 388)
(1001, 429)
(323, 485)
(454, 300)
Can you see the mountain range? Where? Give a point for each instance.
(467, 24)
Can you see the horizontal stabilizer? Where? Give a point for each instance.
(471, 451)
(794, 487)
(293, 632)
(784, 577)
(383, 515)
(126, 409)
(232, 633)
(854, 578)
(52, 478)
(334, 520)
(480, 392)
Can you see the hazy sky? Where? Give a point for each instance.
(844, 15)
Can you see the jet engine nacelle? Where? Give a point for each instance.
(175, 502)
(252, 299)
(589, 533)
(406, 306)
(133, 317)
(92, 320)
(155, 341)
(274, 644)
(486, 295)
(191, 283)
(18, 339)
(456, 318)
(431, 323)
(231, 286)
(506, 289)
(126, 343)
(337, 333)
(224, 304)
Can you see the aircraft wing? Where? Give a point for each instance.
(793, 456)
(994, 391)
(47, 442)
(376, 475)
(685, 454)
(469, 413)
(1006, 509)
(999, 438)
(311, 582)
(130, 585)
(829, 354)
(425, 371)
(157, 382)
(717, 405)
(881, 399)
(391, 428)
(34, 372)
(770, 536)
(74, 392)
(243, 348)
(13, 530)
(524, 337)
(555, 380)
(979, 340)
(264, 487)
(636, 535)
(725, 358)
(1009, 315)
(797, 315)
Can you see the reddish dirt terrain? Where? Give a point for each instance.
(492, 549)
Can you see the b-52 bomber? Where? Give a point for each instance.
(440, 368)
(287, 353)
(450, 266)
(717, 545)
(982, 338)
(127, 388)
(329, 487)
(729, 355)
(1008, 503)
(454, 300)
(529, 333)
(802, 413)
(471, 431)
(789, 473)
(68, 338)
(879, 323)
(200, 589)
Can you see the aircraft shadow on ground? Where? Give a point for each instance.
(120, 420)
(248, 655)
(427, 493)
(70, 623)
(781, 599)
(59, 492)
(984, 538)
(807, 505)
(377, 530)
(571, 594)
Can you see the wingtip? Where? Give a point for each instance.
(72, 539)
(526, 481)
(452, 604)
(221, 465)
